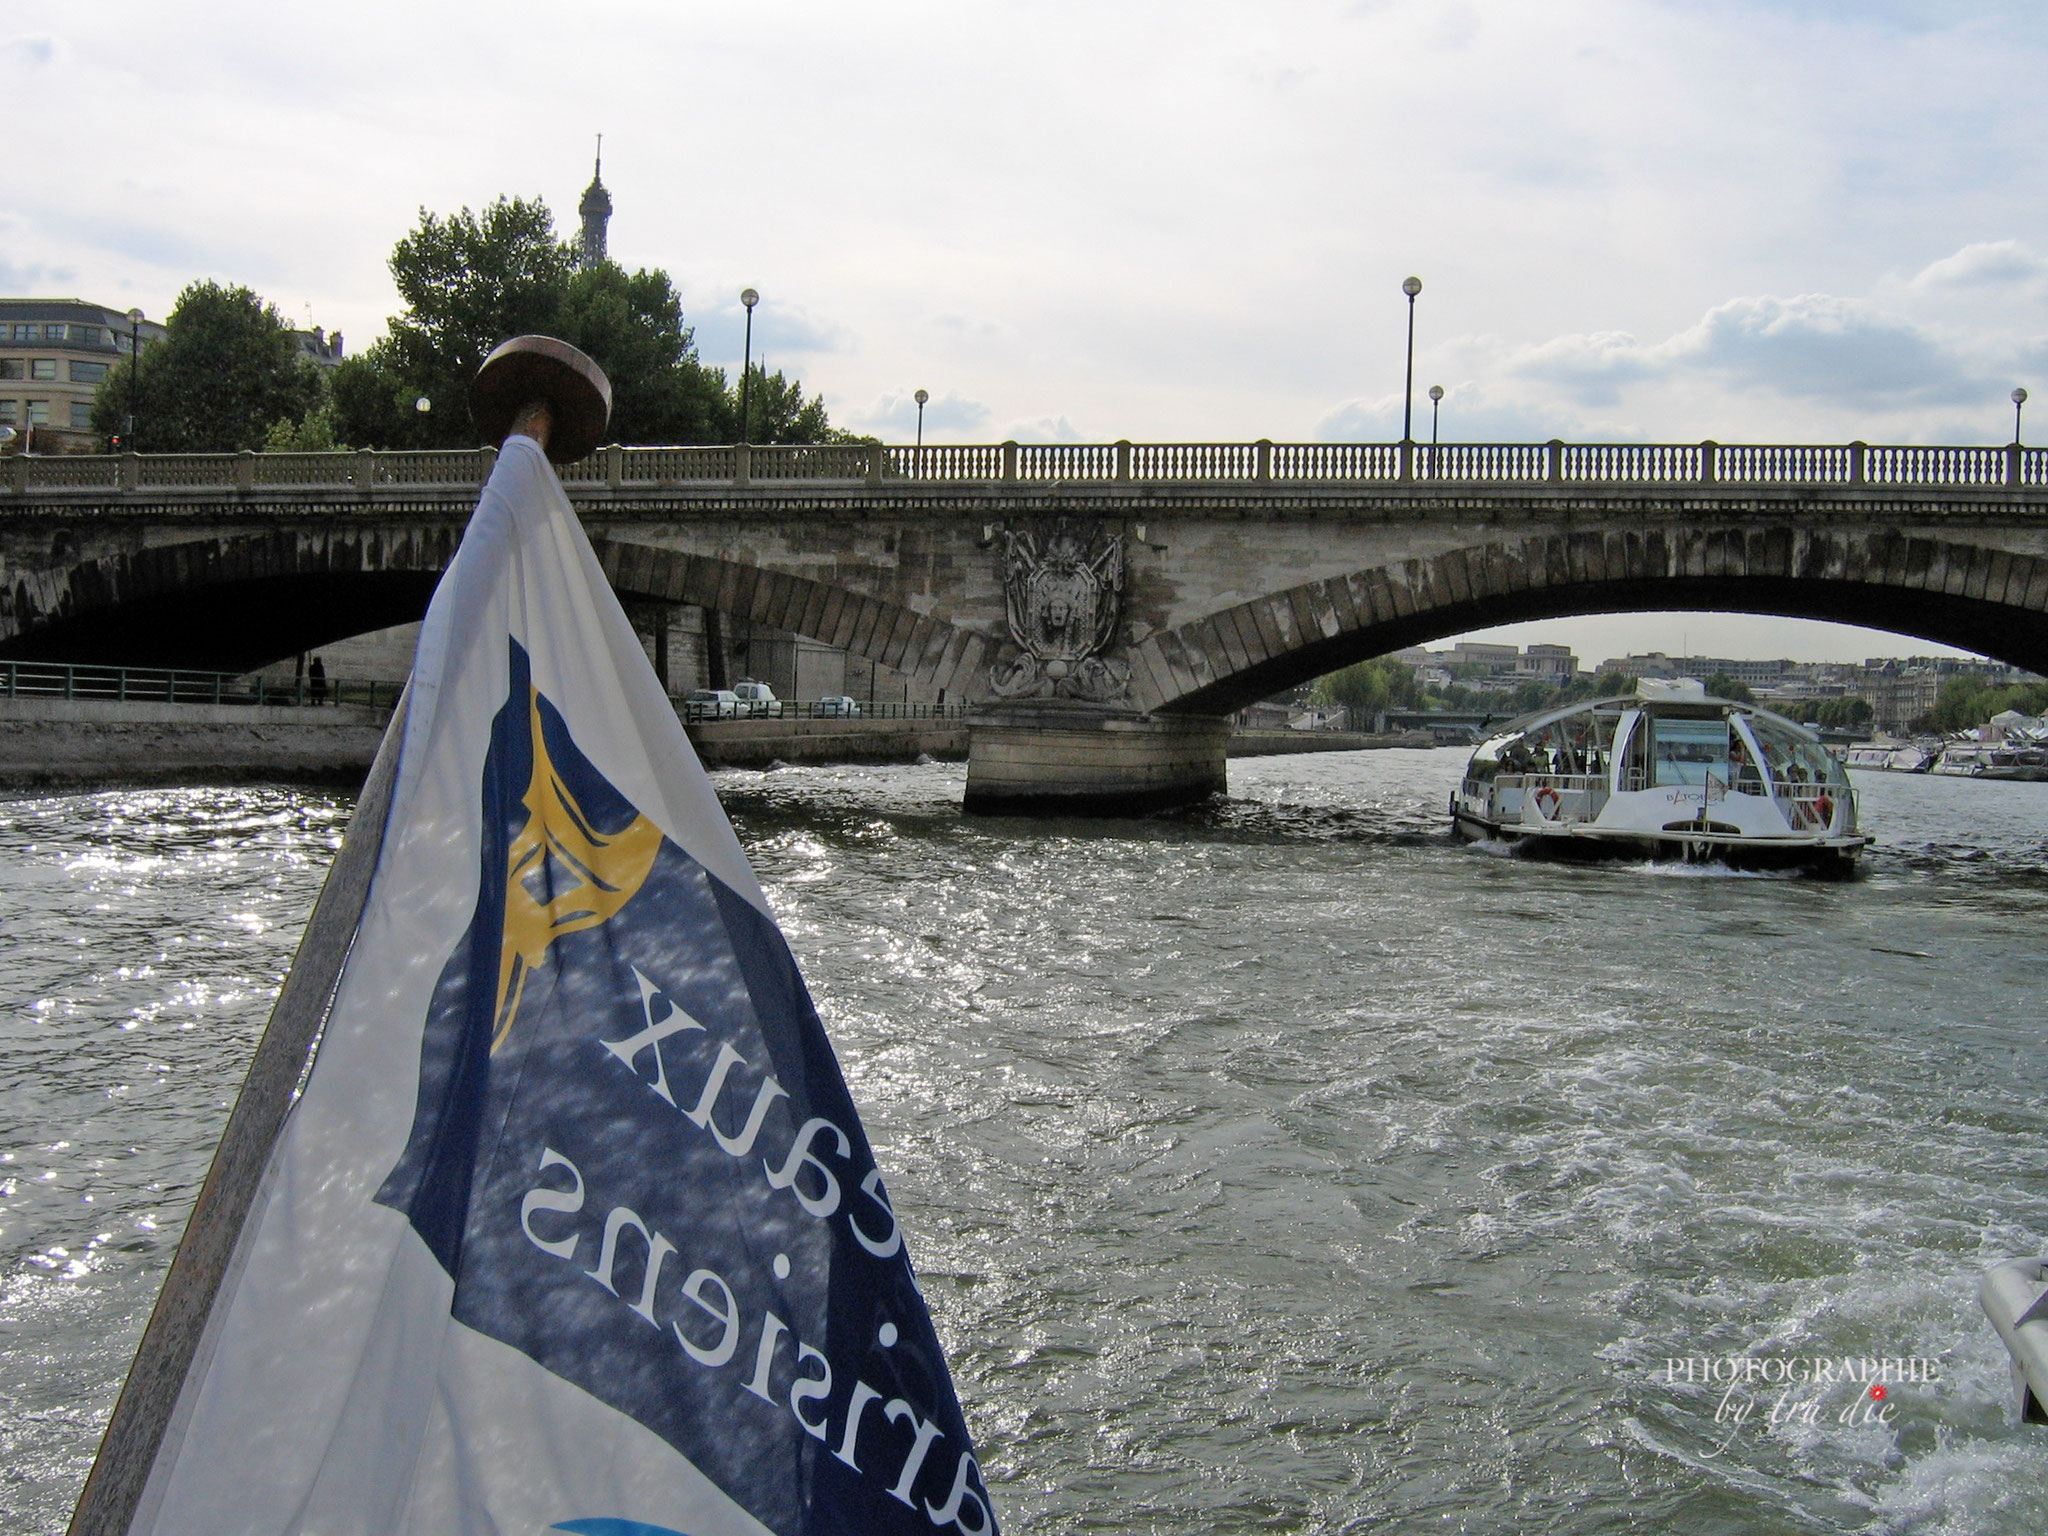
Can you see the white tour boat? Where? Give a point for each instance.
(1668, 773)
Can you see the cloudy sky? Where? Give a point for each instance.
(1785, 221)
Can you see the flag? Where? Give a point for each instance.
(573, 1227)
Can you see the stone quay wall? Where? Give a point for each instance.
(69, 742)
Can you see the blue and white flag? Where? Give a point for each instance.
(574, 1227)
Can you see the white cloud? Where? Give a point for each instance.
(1590, 368)
(893, 417)
(1987, 264)
(1044, 429)
(1821, 346)
(1812, 346)
(781, 330)
(34, 51)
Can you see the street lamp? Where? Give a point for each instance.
(2019, 398)
(1410, 286)
(1436, 398)
(749, 298)
(134, 374)
(920, 397)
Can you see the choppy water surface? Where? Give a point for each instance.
(1279, 1166)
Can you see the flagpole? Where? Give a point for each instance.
(135, 1433)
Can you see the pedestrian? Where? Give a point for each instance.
(317, 676)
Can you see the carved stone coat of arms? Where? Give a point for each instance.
(1064, 597)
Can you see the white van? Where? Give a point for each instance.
(757, 700)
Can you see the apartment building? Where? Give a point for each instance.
(54, 355)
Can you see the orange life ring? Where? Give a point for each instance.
(1547, 800)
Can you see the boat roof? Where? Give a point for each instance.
(1647, 694)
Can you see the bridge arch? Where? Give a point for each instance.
(928, 650)
(1982, 599)
(226, 604)
(235, 602)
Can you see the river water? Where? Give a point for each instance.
(1281, 1165)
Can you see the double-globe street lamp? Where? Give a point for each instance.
(749, 298)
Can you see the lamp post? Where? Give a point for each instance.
(920, 397)
(134, 375)
(1410, 286)
(2019, 398)
(749, 298)
(1436, 398)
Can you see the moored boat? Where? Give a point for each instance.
(2021, 760)
(1667, 773)
(1893, 757)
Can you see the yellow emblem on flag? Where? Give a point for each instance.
(562, 875)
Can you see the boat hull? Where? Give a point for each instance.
(1832, 858)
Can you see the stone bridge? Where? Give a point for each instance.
(1103, 606)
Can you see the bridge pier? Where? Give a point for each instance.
(1041, 757)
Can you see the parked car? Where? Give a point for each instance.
(839, 706)
(711, 704)
(757, 700)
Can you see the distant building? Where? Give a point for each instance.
(1752, 674)
(316, 346)
(1552, 663)
(54, 355)
(1901, 690)
(596, 212)
(1654, 664)
(1480, 656)
(1899, 693)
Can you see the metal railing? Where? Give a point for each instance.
(166, 685)
(1810, 807)
(822, 709)
(641, 469)
(87, 681)
(1557, 796)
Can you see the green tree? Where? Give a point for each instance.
(1367, 687)
(1965, 702)
(471, 279)
(778, 412)
(468, 281)
(1722, 686)
(312, 433)
(226, 372)
(632, 327)
(1844, 714)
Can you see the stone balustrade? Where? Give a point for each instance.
(1308, 464)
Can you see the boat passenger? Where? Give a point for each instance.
(1746, 780)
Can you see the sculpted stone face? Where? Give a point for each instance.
(1064, 601)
